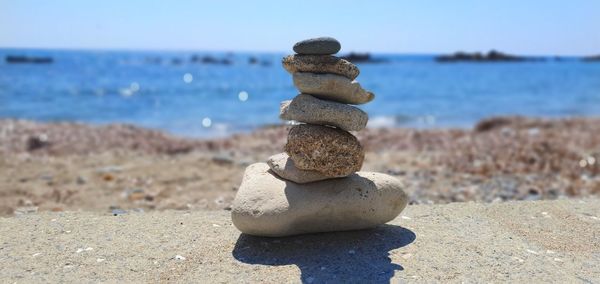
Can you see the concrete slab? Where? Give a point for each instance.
(542, 241)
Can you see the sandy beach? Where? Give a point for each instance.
(116, 168)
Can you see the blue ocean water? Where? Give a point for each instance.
(195, 94)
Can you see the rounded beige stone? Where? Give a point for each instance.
(332, 152)
(308, 109)
(332, 87)
(320, 64)
(266, 205)
(284, 167)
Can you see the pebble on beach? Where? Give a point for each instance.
(308, 109)
(320, 45)
(321, 64)
(332, 152)
(332, 87)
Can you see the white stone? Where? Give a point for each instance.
(266, 205)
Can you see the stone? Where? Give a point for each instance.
(284, 167)
(319, 45)
(306, 108)
(320, 64)
(266, 205)
(330, 151)
(332, 87)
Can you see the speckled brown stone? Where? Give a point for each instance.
(332, 152)
(320, 64)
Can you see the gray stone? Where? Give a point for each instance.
(320, 64)
(332, 87)
(306, 108)
(284, 167)
(330, 151)
(266, 205)
(320, 45)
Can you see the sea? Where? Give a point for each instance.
(215, 94)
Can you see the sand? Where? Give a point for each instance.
(115, 168)
(526, 241)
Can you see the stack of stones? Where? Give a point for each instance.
(315, 185)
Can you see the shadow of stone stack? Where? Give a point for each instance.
(315, 185)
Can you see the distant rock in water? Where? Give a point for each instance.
(153, 60)
(355, 57)
(207, 59)
(255, 61)
(594, 58)
(16, 59)
(491, 56)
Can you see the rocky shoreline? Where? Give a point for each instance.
(117, 168)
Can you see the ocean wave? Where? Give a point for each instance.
(382, 122)
(402, 120)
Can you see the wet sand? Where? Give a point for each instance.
(114, 168)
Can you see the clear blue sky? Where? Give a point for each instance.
(564, 27)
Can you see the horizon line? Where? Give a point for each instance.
(118, 49)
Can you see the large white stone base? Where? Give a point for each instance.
(267, 205)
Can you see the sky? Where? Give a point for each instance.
(528, 27)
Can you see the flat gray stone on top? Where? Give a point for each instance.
(320, 46)
(332, 87)
(320, 64)
(308, 109)
(517, 241)
(266, 205)
(284, 167)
